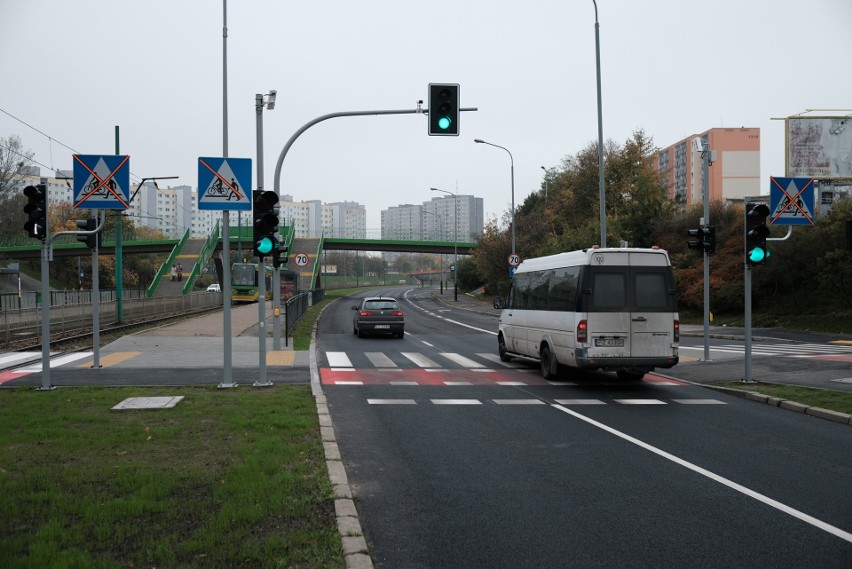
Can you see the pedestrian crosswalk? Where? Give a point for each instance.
(439, 368)
(788, 350)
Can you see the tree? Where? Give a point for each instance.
(14, 161)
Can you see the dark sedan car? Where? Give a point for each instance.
(378, 315)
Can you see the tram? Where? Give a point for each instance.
(245, 285)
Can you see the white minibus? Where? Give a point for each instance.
(611, 309)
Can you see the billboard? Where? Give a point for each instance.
(819, 147)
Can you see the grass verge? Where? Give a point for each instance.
(227, 478)
(840, 401)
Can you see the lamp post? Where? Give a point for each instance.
(601, 188)
(455, 241)
(545, 183)
(512, 161)
(441, 257)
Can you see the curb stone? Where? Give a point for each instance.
(355, 550)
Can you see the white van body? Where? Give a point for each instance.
(611, 309)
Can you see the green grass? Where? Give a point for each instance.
(840, 401)
(228, 478)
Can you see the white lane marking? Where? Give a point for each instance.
(699, 401)
(391, 402)
(457, 383)
(640, 401)
(379, 359)
(404, 383)
(580, 402)
(348, 382)
(510, 383)
(419, 359)
(343, 369)
(461, 360)
(456, 401)
(338, 359)
(518, 401)
(62, 360)
(844, 535)
(456, 322)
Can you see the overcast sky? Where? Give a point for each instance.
(75, 69)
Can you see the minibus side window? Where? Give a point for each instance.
(521, 291)
(538, 290)
(563, 289)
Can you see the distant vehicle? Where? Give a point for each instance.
(214, 288)
(612, 309)
(378, 315)
(245, 284)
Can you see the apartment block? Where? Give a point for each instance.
(733, 175)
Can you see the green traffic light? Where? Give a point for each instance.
(444, 123)
(758, 255)
(264, 246)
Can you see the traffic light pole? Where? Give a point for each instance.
(322, 118)
(45, 313)
(705, 159)
(96, 300)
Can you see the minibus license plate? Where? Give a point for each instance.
(609, 342)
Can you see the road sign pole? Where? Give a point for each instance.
(227, 377)
(747, 281)
(96, 302)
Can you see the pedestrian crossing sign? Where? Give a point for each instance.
(224, 184)
(791, 201)
(101, 182)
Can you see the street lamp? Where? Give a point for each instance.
(440, 257)
(455, 241)
(512, 161)
(601, 189)
(545, 183)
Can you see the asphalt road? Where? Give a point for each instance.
(453, 465)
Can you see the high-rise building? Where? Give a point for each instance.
(443, 218)
(734, 174)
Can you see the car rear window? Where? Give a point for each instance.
(381, 305)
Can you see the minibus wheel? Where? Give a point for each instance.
(501, 348)
(547, 363)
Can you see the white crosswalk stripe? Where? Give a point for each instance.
(790, 350)
(420, 360)
(338, 359)
(379, 359)
(461, 360)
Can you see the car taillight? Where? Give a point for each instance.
(366, 313)
(677, 331)
(583, 331)
(396, 313)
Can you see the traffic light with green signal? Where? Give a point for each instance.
(756, 232)
(444, 109)
(36, 210)
(265, 223)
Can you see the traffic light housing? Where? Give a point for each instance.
(444, 109)
(756, 232)
(279, 255)
(265, 223)
(91, 240)
(36, 210)
(705, 239)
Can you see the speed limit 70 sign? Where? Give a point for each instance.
(514, 260)
(301, 259)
